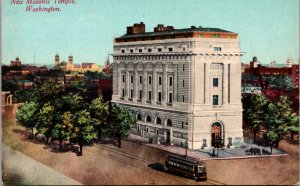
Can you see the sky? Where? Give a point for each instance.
(268, 29)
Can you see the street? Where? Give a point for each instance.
(136, 163)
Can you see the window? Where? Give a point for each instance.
(159, 80)
(140, 50)
(139, 117)
(149, 50)
(123, 51)
(159, 49)
(170, 81)
(215, 82)
(200, 35)
(169, 123)
(141, 94)
(149, 96)
(182, 67)
(170, 49)
(123, 78)
(148, 119)
(131, 78)
(150, 80)
(131, 93)
(123, 92)
(159, 96)
(182, 83)
(182, 124)
(131, 51)
(156, 131)
(170, 98)
(215, 100)
(182, 98)
(216, 35)
(141, 79)
(183, 48)
(158, 120)
(217, 49)
(147, 129)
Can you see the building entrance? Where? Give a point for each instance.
(168, 137)
(216, 135)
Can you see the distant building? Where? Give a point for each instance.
(105, 86)
(69, 66)
(17, 62)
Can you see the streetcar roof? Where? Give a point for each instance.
(186, 159)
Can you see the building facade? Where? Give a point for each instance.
(183, 84)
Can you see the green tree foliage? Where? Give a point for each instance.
(121, 121)
(46, 120)
(99, 113)
(83, 131)
(255, 113)
(279, 82)
(26, 115)
(63, 129)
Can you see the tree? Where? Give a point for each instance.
(63, 129)
(121, 121)
(45, 120)
(255, 113)
(26, 115)
(270, 137)
(294, 127)
(99, 112)
(83, 132)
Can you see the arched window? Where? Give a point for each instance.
(169, 123)
(148, 119)
(139, 117)
(158, 120)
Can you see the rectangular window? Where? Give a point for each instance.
(150, 80)
(159, 49)
(123, 78)
(170, 81)
(131, 51)
(182, 124)
(123, 51)
(215, 100)
(182, 98)
(159, 96)
(140, 50)
(141, 79)
(216, 35)
(149, 96)
(141, 94)
(131, 93)
(183, 48)
(159, 80)
(131, 78)
(219, 49)
(123, 92)
(170, 98)
(170, 49)
(215, 82)
(200, 35)
(149, 50)
(182, 67)
(182, 83)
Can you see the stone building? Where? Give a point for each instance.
(183, 84)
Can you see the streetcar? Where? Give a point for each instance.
(186, 166)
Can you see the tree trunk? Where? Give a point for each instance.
(32, 133)
(271, 149)
(60, 144)
(47, 141)
(119, 139)
(80, 150)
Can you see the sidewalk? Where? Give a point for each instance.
(247, 150)
(23, 170)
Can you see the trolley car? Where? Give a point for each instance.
(186, 166)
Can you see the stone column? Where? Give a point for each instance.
(207, 85)
(165, 85)
(145, 93)
(175, 98)
(225, 83)
(154, 84)
(136, 83)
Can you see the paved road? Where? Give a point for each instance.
(22, 170)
